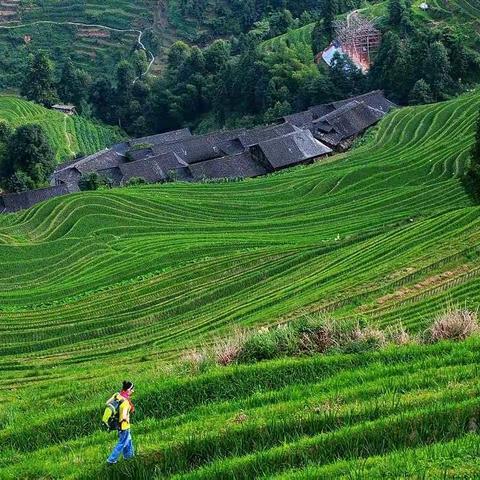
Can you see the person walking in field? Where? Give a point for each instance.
(117, 417)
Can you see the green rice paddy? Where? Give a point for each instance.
(98, 287)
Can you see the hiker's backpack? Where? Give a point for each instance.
(111, 414)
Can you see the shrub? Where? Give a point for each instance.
(135, 181)
(227, 351)
(362, 339)
(266, 344)
(317, 334)
(453, 324)
(92, 181)
(398, 335)
(196, 361)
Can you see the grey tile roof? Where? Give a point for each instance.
(233, 166)
(147, 169)
(347, 121)
(152, 169)
(15, 202)
(262, 134)
(199, 148)
(113, 175)
(68, 176)
(375, 99)
(321, 110)
(141, 154)
(301, 119)
(292, 149)
(231, 147)
(163, 138)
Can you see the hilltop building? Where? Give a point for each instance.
(66, 109)
(295, 139)
(358, 38)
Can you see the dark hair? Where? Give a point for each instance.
(127, 385)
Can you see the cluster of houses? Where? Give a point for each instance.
(298, 138)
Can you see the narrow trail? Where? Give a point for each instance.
(94, 25)
(67, 136)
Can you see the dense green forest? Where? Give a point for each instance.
(243, 65)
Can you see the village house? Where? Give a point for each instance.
(302, 137)
(66, 109)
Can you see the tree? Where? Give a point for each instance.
(6, 131)
(437, 70)
(346, 76)
(396, 11)
(28, 154)
(39, 84)
(329, 12)
(140, 62)
(177, 54)
(102, 95)
(279, 110)
(92, 181)
(19, 182)
(74, 84)
(421, 93)
(30, 151)
(217, 55)
(392, 68)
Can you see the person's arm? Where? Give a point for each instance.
(124, 410)
(110, 400)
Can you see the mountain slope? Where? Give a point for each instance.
(170, 262)
(67, 135)
(97, 287)
(112, 34)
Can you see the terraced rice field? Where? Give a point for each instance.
(68, 135)
(99, 286)
(298, 44)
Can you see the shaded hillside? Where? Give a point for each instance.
(94, 48)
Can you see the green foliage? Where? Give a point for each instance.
(136, 181)
(92, 181)
(93, 50)
(421, 93)
(73, 85)
(29, 159)
(39, 82)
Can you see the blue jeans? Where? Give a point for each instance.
(124, 445)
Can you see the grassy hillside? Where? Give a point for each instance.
(298, 44)
(100, 286)
(68, 135)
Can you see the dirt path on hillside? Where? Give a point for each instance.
(93, 25)
(67, 136)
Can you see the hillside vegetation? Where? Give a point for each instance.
(94, 48)
(98, 286)
(68, 136)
